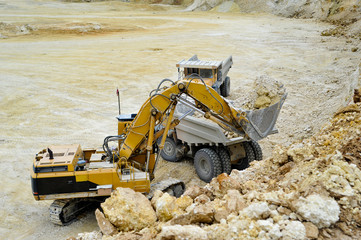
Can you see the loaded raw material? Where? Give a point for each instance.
(265, 92)
(309, 190)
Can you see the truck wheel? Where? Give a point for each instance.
(257, 150)
(169, 152)
(250, 156)
(226, 87)
(207, 164)
(225, 159)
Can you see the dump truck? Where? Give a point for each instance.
(74, 177)
(201, 140)
(213, 73)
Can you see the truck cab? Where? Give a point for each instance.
(213, 73)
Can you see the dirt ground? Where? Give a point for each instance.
(61, 62)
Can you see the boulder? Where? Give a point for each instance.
(220, 210)
(202, 199)
(258, 210)
(300, 152)
(197, 214)
(183, 202)
(234, 201)
(279, 155)
(293, 230)
(342, 179)
(156, 195)
(105, 226)
(203, 213)
(129, 210)
(166, 207)
(321, 211)
(222, 183)
(193, 191)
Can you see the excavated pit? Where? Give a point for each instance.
(61, 62)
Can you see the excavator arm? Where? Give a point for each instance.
(160, 106)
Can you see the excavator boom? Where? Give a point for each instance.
(160, 106)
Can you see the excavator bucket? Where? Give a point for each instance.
(261, 122)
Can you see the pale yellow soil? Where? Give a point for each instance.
(58, 79)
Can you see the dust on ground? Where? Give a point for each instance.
(59, 75)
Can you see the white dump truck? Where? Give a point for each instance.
(205, 140)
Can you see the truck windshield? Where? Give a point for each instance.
(205, 73)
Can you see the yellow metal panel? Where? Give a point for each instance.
(79, 177)
(101, 176)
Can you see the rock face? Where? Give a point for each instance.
(129, 210)
(228, 6)
(323, 10)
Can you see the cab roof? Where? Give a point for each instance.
(194, 62)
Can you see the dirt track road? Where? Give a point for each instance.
(57, 83)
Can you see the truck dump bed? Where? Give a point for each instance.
(261, 123)
(196, 131)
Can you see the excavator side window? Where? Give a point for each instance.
(51, 169)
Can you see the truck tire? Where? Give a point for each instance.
(226, 87)
(250, 156)
(207, 164)
(225, 159)
(257, 150)
(169, 151)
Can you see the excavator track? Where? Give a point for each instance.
(55, 211)
(172, 186)
(64, 211)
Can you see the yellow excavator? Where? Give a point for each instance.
(76, 177)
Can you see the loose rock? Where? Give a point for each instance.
(105, 226)
(311, 230)
(129, 210)
(176, 232)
